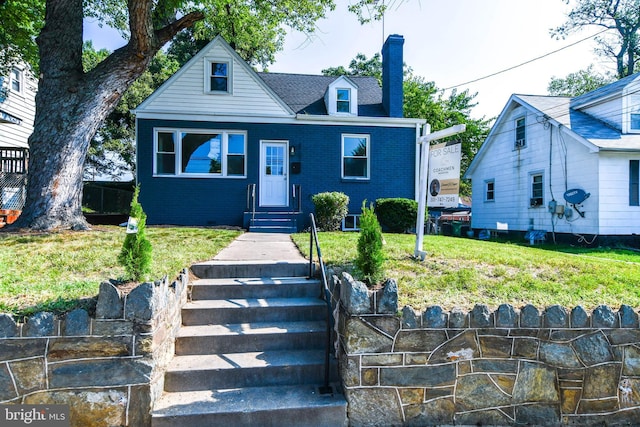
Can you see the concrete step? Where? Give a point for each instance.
(255, 288)
(248, 369)
(209, 312)
(215, 269)
(291, 406)
(233, 338)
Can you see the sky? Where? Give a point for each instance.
(449, 42)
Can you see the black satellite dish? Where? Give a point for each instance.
(575, 196)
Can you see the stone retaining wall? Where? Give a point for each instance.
(108, 368)
(507, 367)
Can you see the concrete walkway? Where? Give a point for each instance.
(267, 254)
(261, 247)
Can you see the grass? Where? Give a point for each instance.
(61, 271)
(463, 272)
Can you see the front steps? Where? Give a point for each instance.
(272, 222)
(250, 352)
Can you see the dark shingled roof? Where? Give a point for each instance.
(304, 94)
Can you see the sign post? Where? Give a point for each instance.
(425, 141)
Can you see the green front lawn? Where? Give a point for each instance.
(55, 271)
(461, 272)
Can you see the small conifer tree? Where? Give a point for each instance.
(135, 255)
(370, 260)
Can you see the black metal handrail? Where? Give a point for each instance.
(326, 296)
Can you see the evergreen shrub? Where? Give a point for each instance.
(136, 252)
(331, 208)
(370, 258)
(398, 215)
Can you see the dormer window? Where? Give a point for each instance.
(218, 77)
(343, 101)
(341, 97)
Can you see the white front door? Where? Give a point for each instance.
(274, 177)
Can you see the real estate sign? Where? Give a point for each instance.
(444, 175)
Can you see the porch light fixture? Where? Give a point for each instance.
(292, 150)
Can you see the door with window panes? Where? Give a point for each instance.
(274, 177)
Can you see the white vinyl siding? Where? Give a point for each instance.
(609, 112)
(188, 93)
(512, 169)
(22, 106)
(616, 215)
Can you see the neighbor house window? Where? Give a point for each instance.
(634, 182)
(634, 113)
(355, 156)
(490, 191)
(343, 101)
(16, 80)
(219, 80)
(200, 153)
(521, 139)
(537, 190)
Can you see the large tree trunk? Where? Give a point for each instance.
(71, 105)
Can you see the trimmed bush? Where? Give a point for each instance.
(397, 215)
(370, 260)
(331, 208)
(135, 255)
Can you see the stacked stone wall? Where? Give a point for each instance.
(509, 366)
(108, 368)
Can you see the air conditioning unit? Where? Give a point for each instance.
(520, 143)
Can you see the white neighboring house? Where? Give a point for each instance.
(563, 165)
(17, 112)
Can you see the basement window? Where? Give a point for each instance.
(351, 223)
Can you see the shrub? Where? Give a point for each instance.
(398, 215)
(135, 255)
(370, 259)
(331, 209)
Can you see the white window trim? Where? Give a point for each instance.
(629, 108)
(331, 97)
(207, 76)
(519, 143)
(355, 135)
(21, 81)
(486, 190)
(178, 153)
(356, 223)
(531, 175)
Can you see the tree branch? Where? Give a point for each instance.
(142, 39)
(165, 34)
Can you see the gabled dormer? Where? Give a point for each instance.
(631, 107)
(341, 97)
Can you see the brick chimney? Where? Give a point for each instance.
(392, 94)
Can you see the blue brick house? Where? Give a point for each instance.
(221, 144)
